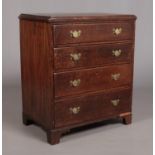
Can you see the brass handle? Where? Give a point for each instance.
(117, 31)
(74, 110)
(75, 56)
(115, 76)
(75, 33)
(75, 83)
(116, 53)
(115, 102)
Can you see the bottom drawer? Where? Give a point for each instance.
(90, 108)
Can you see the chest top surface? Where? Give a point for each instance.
(77, 17)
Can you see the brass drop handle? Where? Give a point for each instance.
(75, 33)
(75, 83)
(117, 31)
(74, 110)
(75, 56)
(116, 53)
(115, 102)
(115, 76)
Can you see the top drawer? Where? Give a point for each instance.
(86, 33)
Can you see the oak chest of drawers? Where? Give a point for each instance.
(76, 70)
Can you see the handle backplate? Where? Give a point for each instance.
(117, 30)
(115, 102)
(75, 83)
(75, 56)
(117, 53)
(75, 33)
(74, 110)
(115, 76)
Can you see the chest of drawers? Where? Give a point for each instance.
(76, 70)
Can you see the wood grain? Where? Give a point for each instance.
(80, 17)
(92, 107)
(37, 70)
(91, 56)
(91, 80)
(102, 32)
(47, 70)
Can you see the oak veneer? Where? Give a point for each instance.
(76, 70)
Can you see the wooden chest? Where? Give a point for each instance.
(76, 70)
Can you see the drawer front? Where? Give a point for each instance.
(81, 81)
(86, 33)
(90, 108)
(91, 56)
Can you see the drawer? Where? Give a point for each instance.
(81, 81)
(86, 33)
(91, 56)
(91, 108)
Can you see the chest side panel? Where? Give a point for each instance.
(37, 71)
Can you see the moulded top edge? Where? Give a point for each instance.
(77, 17)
